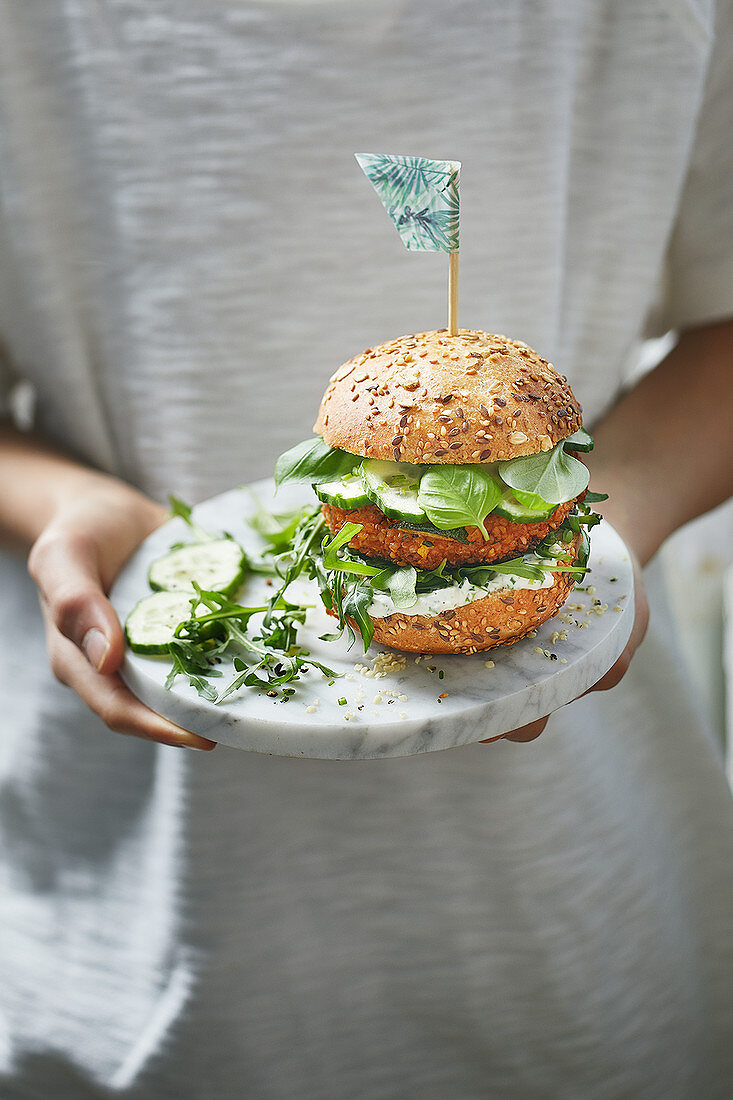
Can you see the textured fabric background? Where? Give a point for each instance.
(188, 250)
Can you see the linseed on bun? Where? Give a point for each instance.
(501, 618)
(436, 398)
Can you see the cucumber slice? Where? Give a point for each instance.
(347, 492)
(393, 487)
(151, 625)
(217, 566)
(510, 508)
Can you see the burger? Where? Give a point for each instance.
(454, 511)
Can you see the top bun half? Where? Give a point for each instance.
(432, 398)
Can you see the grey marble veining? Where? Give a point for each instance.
(480, 702)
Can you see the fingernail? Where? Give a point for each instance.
(191, 741)
(95, 647)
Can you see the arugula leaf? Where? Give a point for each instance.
(265, 658)
(519, 567)
(354, 603)
(180, 508)
(400, 582)
(188, 660)
(348, 597)
(429, 580)
(458, 496)
(594, 498)
(185, 512)
(313, 460)
(308, 534)
(553, 475)
(331, 560)
(277, 528)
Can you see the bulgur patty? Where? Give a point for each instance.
(382, 537)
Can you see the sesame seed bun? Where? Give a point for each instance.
(501, 618)
(432, 398)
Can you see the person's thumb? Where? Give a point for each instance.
(66, 570)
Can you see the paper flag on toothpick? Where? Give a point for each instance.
(420, 196)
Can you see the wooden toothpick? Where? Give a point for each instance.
(453, 293)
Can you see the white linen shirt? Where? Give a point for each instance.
(187, 252)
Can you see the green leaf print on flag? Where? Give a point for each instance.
(420, 196)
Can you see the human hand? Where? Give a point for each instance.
(636, 460)
(617, 671)
(74, 562)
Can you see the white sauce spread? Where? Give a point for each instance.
(456, 595)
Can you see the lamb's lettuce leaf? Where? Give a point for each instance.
(458, 496)
(553, 475)
(314, 461)
(581, 440)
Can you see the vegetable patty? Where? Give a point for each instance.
(381, 537)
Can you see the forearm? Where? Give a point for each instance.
(664, 453)
(38, 481)
(82, 525)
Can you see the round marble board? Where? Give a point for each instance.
(396, 704)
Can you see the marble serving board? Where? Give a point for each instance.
(420, 703)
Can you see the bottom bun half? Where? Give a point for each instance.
(501, 618)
